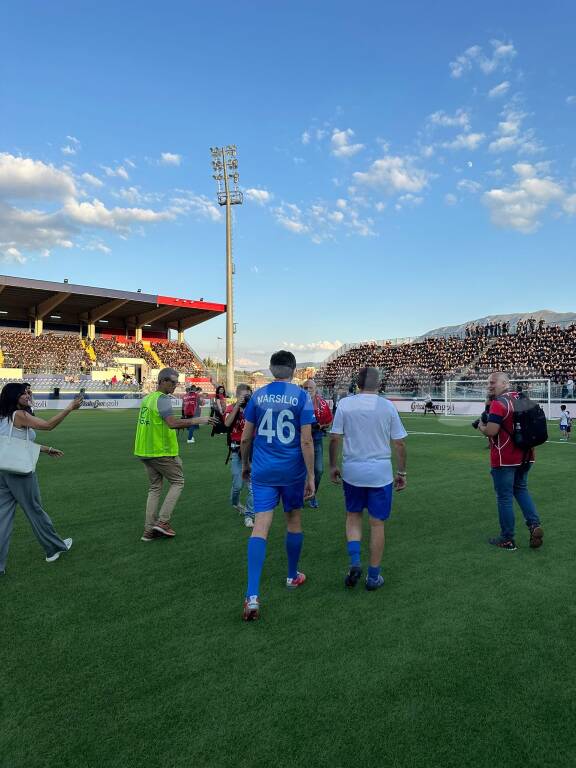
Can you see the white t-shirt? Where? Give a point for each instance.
(368, 423)
(564, 418)
(570, 385)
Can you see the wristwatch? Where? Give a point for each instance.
(402, 474)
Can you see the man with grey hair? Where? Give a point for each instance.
(510, 465)
(369, 424)
(156, 445)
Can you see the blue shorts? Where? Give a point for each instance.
(267, 497)
(564, 427)
(378, 501)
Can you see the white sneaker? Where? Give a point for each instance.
(248, 522)
(190, 441)
(56, 555)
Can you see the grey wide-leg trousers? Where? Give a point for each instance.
(24, 490)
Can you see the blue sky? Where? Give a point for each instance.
(405, 166)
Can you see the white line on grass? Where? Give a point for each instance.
(477, 437)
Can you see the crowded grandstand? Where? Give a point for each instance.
(530, 349)
(65, 337)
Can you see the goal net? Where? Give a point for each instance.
(463, 397)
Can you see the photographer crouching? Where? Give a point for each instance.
(510, 464)
(234, 423)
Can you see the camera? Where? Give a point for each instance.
(246, 399)
(483, 418)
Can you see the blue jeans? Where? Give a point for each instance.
(512, 483)
(191, 431)
(318, 463)
(237, 483)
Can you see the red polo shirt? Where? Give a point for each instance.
(238, 427)
(503, 451)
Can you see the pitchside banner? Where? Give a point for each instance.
(470, 407)
(103, 404)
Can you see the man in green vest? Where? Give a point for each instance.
(156, 445)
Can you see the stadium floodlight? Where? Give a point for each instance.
(225, 174)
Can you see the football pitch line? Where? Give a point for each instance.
(477, 437)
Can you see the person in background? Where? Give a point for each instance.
(219, 404)
(234, 421)
(189, 408)
(15, 417)
(156, 444)
(369, 424)
(565, 423)
(324, 418)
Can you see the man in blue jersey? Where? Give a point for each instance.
(278, 456)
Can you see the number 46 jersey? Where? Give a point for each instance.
(278, 411)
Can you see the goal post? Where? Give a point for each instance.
(466, 397)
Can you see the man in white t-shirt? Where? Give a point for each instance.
(370, 425)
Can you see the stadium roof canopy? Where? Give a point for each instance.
(66, 304)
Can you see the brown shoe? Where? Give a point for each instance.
(164, 529)
(150, 535)
(536, 536)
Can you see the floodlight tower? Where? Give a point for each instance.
(225, 166)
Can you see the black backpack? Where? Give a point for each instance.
(530, 427)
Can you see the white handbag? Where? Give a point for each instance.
(18, 456)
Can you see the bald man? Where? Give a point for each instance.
(509, 465)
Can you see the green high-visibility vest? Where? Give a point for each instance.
(154, 438)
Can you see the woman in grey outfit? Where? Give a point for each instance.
(15, 406)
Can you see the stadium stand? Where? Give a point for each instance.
(534, 350)
(63, 335)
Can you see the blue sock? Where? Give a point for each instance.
(256, 555)
(354, 552)
(373, 572)
(293, 549)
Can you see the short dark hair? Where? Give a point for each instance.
(284, 359)
(9, 397)
(368, 378)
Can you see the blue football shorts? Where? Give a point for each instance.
(267, 497)
(378, 501)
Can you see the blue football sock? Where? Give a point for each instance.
(354, 552)
(256, 555)
(293, 549)
(373, 572)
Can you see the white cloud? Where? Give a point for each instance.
(24, 178)
(469, 186)
(341, 146)
(11, 255)
(96, 214)
(170, 158)
(394, 174)
(189, 203)
(254, 269)
(569, 205)
(510, 135)
(98, 246)
(247, 362)
(306, 137)
(93, 180)
(470, 141)
(74, 140)
(408, 201)
(260, 196)
(520, 206)
(68, 150)
(31, 231)
(321, 221)
(499, 90)
(570, 100)
(450, 199)
(460, 119)
(500, 58)
(118, 171)
(314, 346)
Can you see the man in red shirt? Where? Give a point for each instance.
(189, 406)
(510, 465)
(234, 419)
(324, 419)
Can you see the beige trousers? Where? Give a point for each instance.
(165, 468)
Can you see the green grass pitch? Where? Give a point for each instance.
(124, 654)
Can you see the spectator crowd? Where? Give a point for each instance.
(533, 350)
